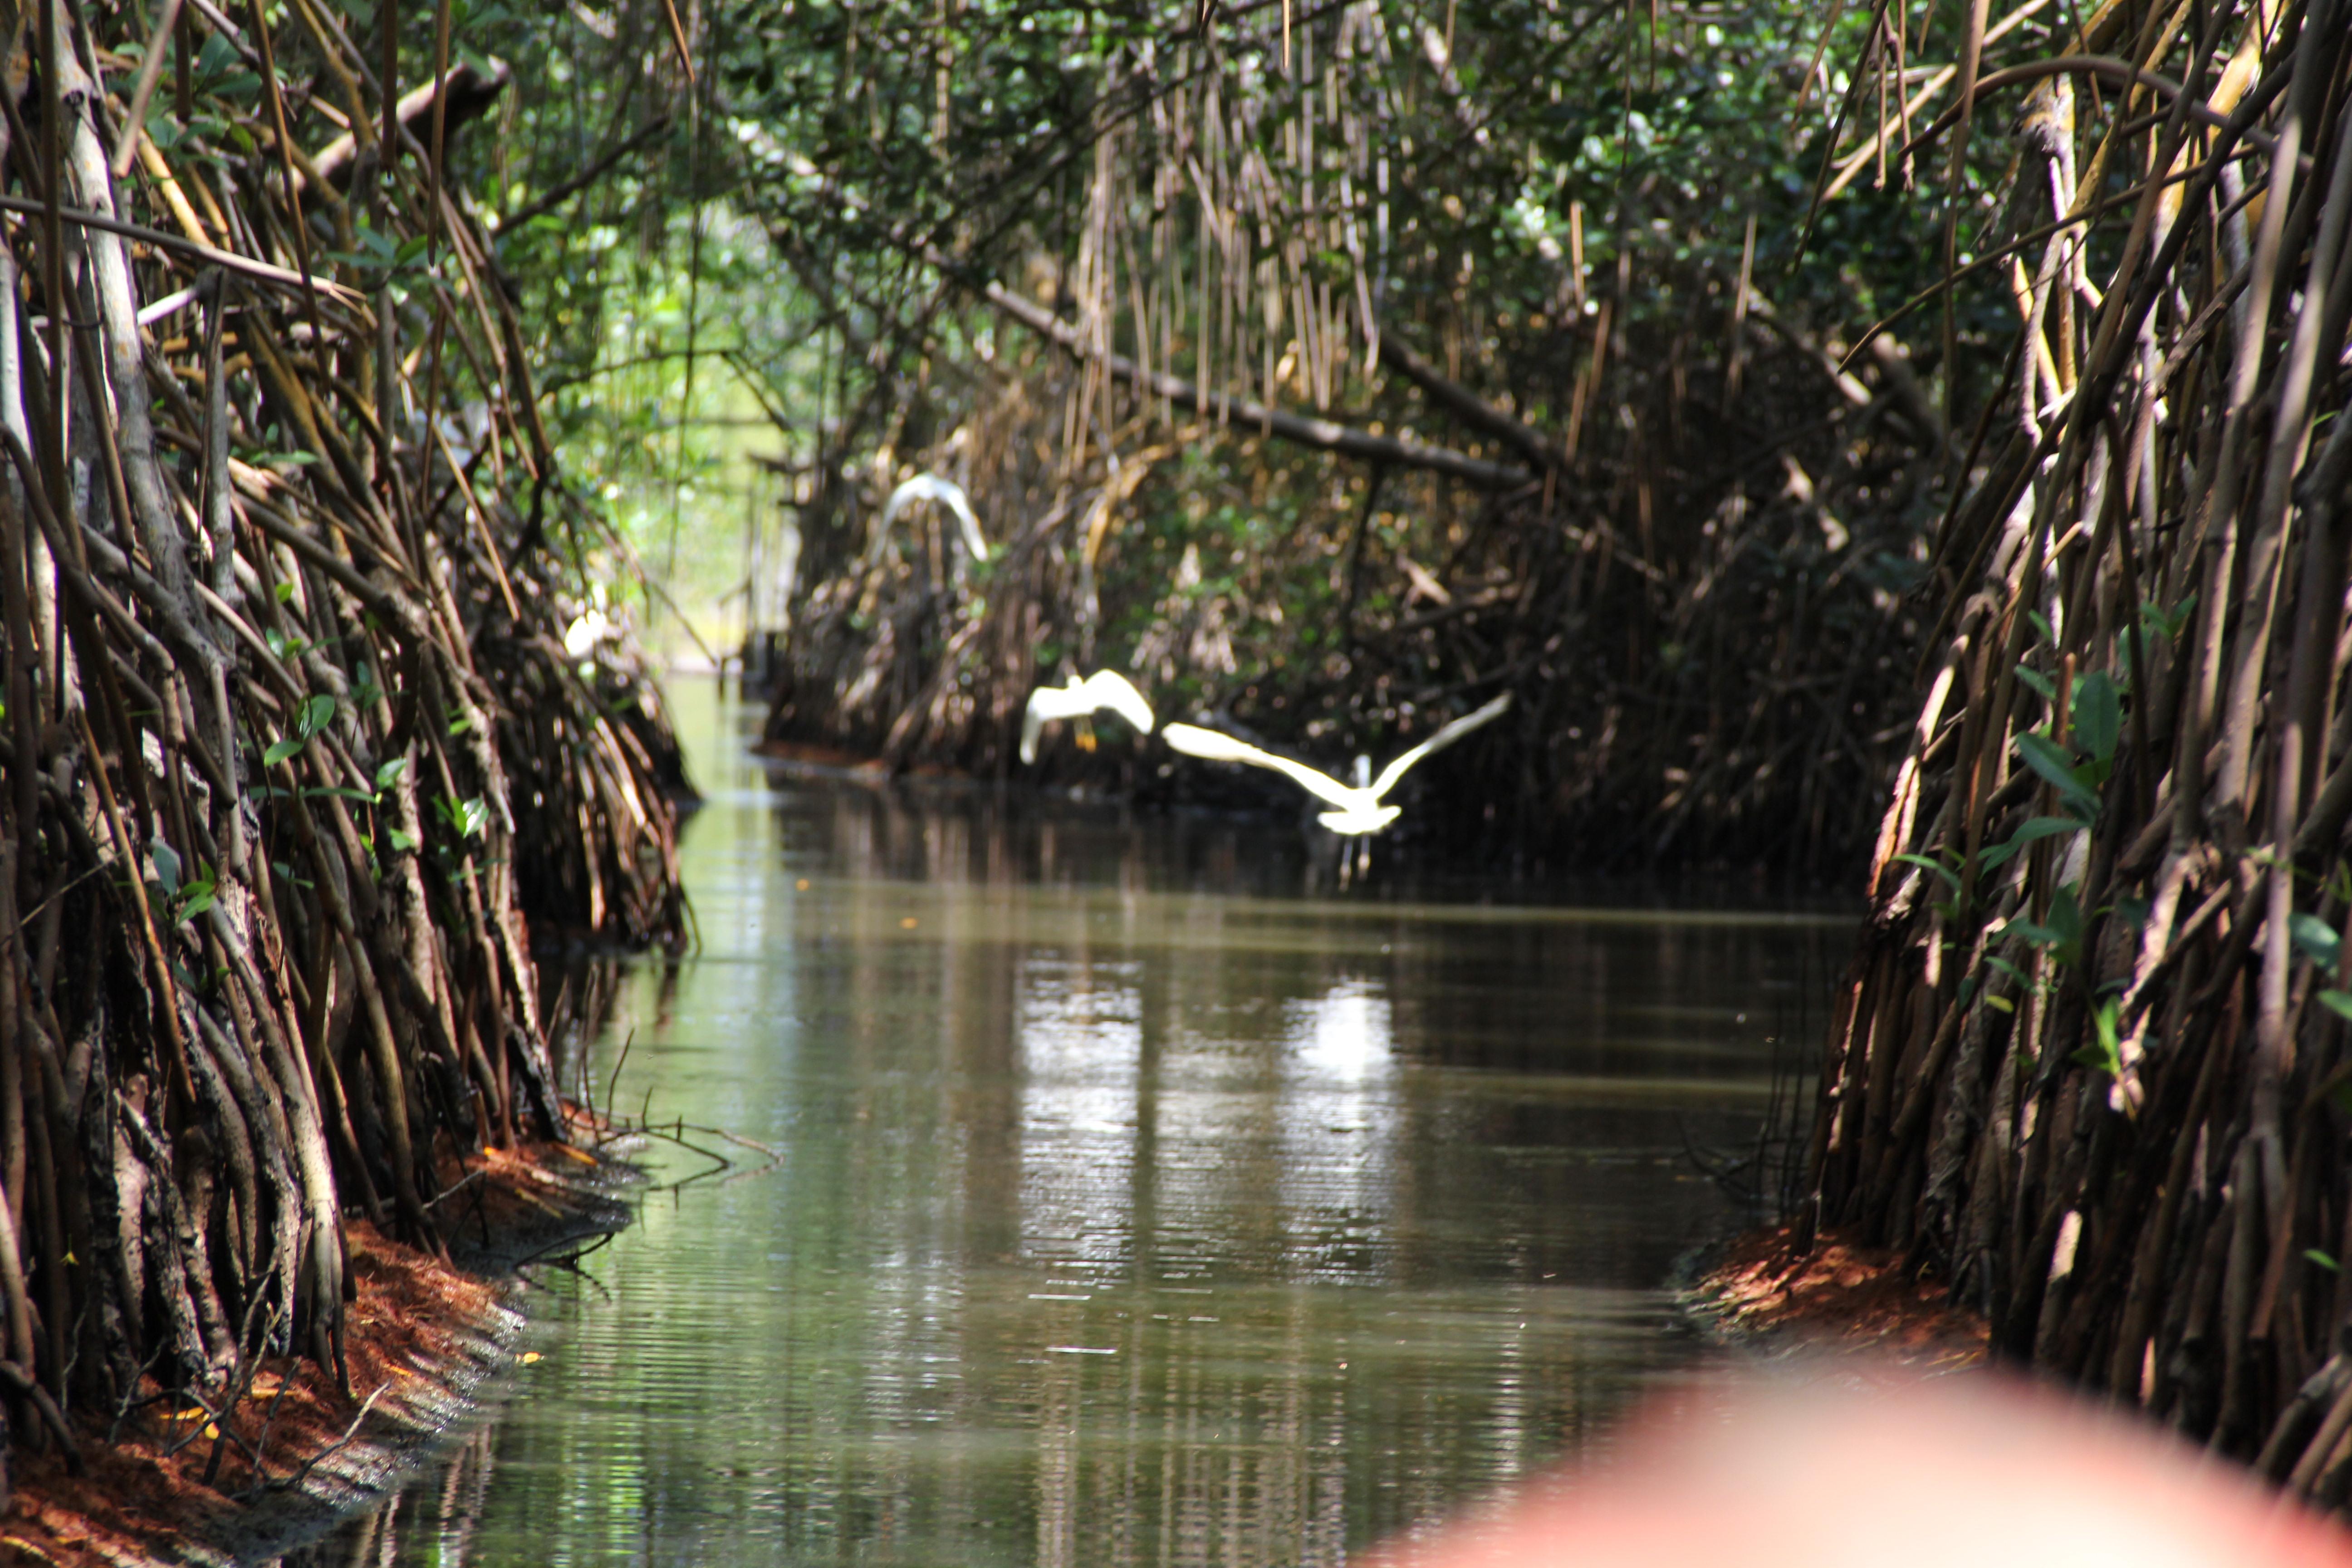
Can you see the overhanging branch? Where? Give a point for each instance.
(1324, 434)
(1467, 406)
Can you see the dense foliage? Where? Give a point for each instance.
(1503, 255)
(789, 215)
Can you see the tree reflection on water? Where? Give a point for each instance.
(1134, 1209)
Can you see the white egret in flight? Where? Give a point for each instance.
(948, 493)
(591, 628)
(1359, 807)
(1081, 700)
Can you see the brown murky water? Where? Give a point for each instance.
(1132, 1207)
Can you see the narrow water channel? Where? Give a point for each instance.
(1132, 1207)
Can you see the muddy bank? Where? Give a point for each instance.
(1759, 1295)
(425, 1340)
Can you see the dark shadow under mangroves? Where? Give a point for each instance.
(1133, 1207)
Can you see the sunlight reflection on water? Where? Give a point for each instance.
(1134, 1209)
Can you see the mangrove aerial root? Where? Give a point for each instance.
(296, 760)
(2091, 1064)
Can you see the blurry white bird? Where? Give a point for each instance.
(1359, 808)
(948, 493)
(1081, 700)
(593, 626)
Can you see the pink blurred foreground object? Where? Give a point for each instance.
(1973, 1470)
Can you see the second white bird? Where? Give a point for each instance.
(948, 493)
(1081, 700)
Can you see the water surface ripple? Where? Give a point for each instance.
(1134, 1209)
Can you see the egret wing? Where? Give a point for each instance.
(952, 493)
(1195, 741)
(1032, 720)
(931, 487)
(911, 491)
(1109, 688)
(1438, 742)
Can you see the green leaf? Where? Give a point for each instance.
(2038, 827)
(167, 867)
(1937, 866)
(2166, 623)
(285, 592)
(389, 773)
(2098, 715)
(2314, 1256)
(2317, 939)
(314, 715)
(2041, 624)
(2066, 913)
(2061, 931)
(2338, 1002)
(194, 899)
(278, 752)
(400, 841)
(469, 818)
(2038, 683)
(2046, 757)
(2105, 1053)
(2028, 832)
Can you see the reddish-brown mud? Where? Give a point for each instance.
(422, 1334)
(1837, 1297)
